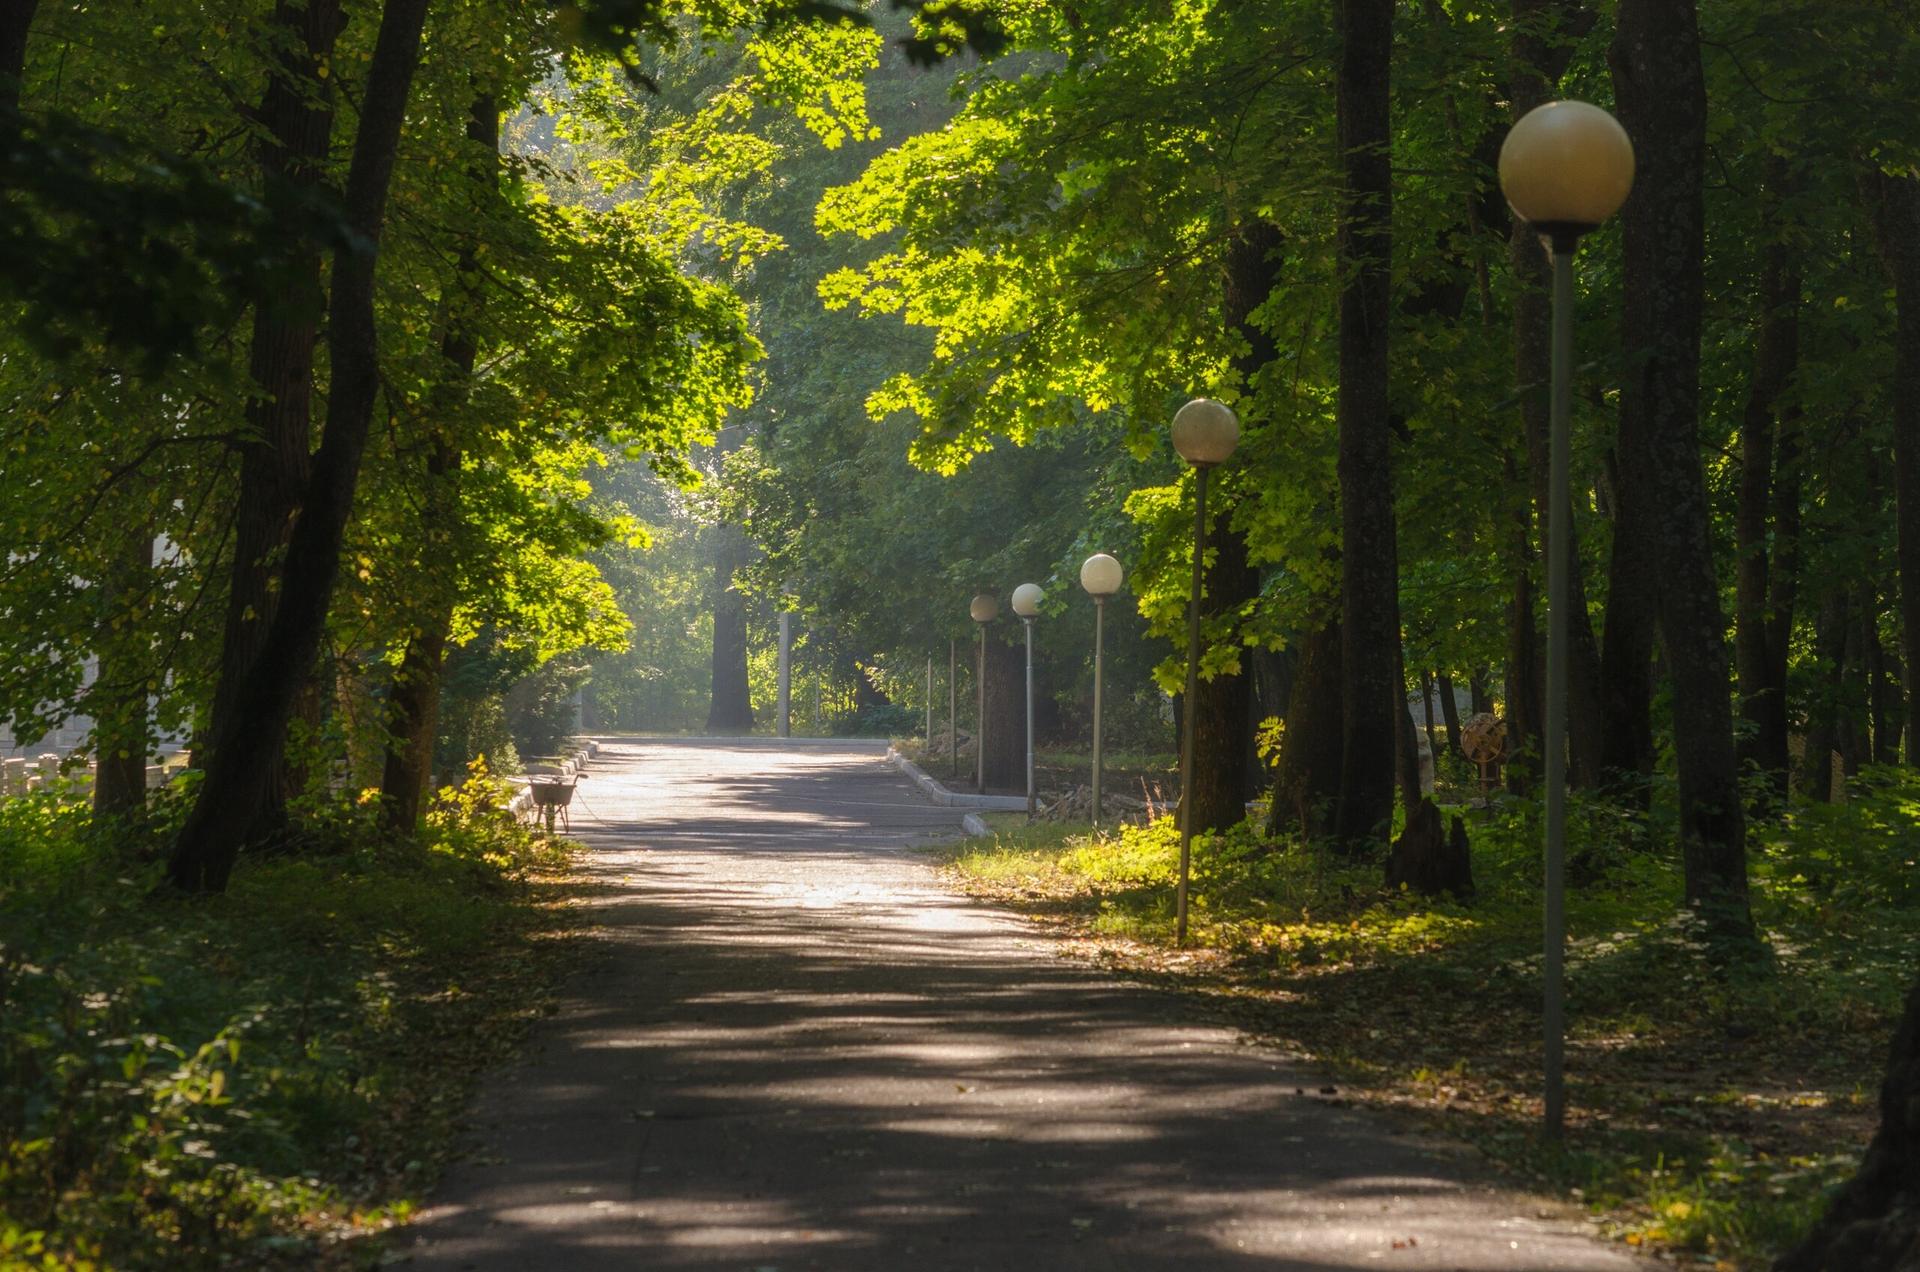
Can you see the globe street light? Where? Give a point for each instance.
(1205, 433)
(1100, 576)
(1026, 603)
(1565, 168)
(983, 609)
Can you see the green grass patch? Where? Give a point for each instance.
(265, 1078)
(1715, 1102)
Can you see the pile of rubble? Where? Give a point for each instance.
(1076, 805)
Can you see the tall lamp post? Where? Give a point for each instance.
(1565, 168)
(1100, 576)
(1026, 603)
(1205, 433)
(953, 703)
(983, 610)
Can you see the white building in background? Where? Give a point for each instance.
(76, 730)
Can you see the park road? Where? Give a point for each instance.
(791, 1049)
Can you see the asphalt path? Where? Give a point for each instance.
(791, 1048)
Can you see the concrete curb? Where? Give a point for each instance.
(975, 825)
(948, 799)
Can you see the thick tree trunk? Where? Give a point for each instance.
(730, 709)
(413, 705)
(1762, 675)
(16, 21)
(1006, 740)
(1895, 204)
(239, 772)
(117, 700)
(1874, 1222)
(297, 114)
(1369, 560)
(1661, 91)
(1223, 708)
(1307, 786)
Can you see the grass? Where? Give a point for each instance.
(1713, 1106)
(268, 1078)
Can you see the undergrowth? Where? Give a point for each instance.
(262, 1078)
(1715, 1103)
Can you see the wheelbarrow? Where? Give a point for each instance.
(551, 796)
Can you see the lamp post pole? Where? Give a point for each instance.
(1100, 575)
(929, 732)
(980, 716)
(983, 609)
(1205, 433)
(1099, 620)
(1559, 515)
(1026, 603)
(1565, 167)
(1027, 621)
(953, 704)
(1187, 712)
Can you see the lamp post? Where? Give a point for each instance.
(1565, 167)
(983, 610)
(1026, 603)
(953, 704)
(1100, 575)
(1205, 433)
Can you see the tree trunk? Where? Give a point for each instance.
(730, 709)
(1449, 710)
(1223, 706)
(16, 20)
(117, 700)
(1525, 691)
(413, 705)
(1426, 711)
(1538, 64)
(1815, 778)
(1306, 788)
(1369, 582)
(1895, 204)
(297, 114)
(1874, 1222)
(1477, 696)
(1884, 675)
(1661, 91)
(239, 772)
(1763, 698)
(1006, 742)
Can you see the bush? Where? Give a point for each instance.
(882, 720)
(237, 1080)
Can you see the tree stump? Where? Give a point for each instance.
(1431, 860)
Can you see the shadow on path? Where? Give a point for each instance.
(793, 1050)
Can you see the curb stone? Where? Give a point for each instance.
(950, 799)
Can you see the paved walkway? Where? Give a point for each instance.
(794, 1050)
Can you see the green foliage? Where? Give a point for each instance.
(236, 1082)
(1718, 1103)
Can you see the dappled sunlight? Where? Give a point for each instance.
(801, 1052)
